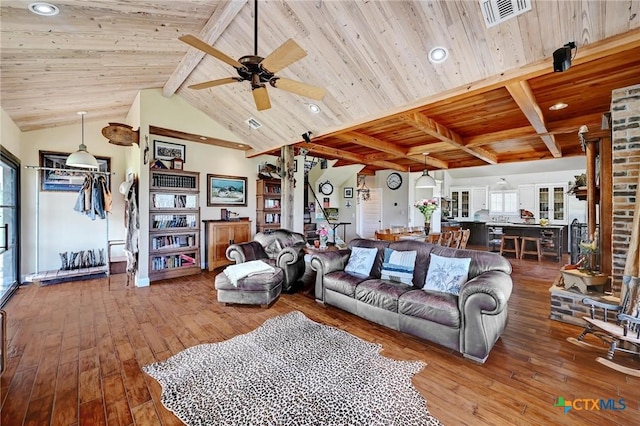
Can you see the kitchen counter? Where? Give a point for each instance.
(552, 237)
(523, 225)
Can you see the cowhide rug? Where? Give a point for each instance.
(291, 371)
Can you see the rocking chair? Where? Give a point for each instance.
(620, 335)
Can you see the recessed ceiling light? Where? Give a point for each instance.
(314, 108)
(44, 9)
(559, 105)
(438, 55)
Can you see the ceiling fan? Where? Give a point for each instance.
(259, 70)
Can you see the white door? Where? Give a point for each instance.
(370, 214)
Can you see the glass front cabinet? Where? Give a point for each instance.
(460, 203)
(551, 203)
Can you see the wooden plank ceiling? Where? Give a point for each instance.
(385, 106)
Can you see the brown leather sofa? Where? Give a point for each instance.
(281, 248)
(469, 323)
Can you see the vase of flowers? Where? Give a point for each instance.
(323, 233)
(427, 206)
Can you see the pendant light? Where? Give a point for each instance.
(425, 181)
(81, 158)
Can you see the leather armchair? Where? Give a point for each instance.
(280, 247)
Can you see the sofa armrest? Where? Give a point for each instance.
(496, 285)
(483, 306)
(329, 261)
(324, 263)
(291, 255)
(244, 252)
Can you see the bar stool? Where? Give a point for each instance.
(516, 247)
(537, 251)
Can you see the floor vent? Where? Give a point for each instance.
(497, 11)
(253, 123)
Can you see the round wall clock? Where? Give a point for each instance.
(326, 188)
(394, 180)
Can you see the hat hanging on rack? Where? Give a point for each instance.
(81, 158)
(425, 181)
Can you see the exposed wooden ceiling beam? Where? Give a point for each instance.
(393, 150)
(355, 158)
(213, 29)
(523, 95)
(431, 148)
(570, 125)
(437, 130)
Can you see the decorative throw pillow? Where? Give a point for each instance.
(398, 265)
(447, 274)
(361, 260)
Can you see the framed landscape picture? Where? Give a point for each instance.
(63, 178)
(226, 190)
(168, 151)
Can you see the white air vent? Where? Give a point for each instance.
(497, 11)
(253, 123)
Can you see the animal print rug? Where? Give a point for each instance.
(291, 371)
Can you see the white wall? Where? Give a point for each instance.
(9, 134)
(176, 114)
(49, 223)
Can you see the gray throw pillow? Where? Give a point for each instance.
(361, 260)
(447, 274)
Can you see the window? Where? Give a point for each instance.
(503, 202)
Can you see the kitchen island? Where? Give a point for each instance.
(552, 238)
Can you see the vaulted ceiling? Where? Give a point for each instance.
(386, 104)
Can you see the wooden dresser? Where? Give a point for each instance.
(220, 234)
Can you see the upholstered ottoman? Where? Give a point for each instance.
(259, 289)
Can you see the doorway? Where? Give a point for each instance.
(9, 224)
(370, 214)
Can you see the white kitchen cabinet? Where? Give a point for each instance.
(551, 203)
(478, 199)
(527, 197)
(465, 201)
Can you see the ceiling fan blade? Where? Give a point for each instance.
(261, 97)
(298, 88)
(214, 83)
(207, 48)
(285, 55)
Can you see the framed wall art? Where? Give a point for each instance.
(168, 150)
(348, 192)
(63, 178)
(226, 190)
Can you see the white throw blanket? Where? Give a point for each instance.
(246, 269)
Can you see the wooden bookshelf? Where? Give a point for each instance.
(174, 224)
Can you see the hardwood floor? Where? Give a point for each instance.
(75, 352)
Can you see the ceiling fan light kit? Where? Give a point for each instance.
(258, 70)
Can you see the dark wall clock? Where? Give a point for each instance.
(326, 188)
(394, 181)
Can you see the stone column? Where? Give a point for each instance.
(625, 118)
